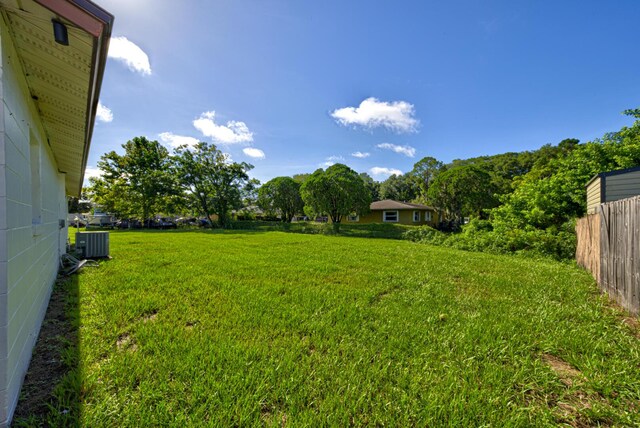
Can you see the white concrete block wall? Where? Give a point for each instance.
(29, 253)
(4, 317)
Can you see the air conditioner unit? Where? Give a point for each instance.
(92, 244)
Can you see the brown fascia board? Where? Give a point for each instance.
(97, 22)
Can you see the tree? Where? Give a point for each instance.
(217, 185)
(281, 194)
(463, 191)
(338, 191)
(423, 173)
(399, 188)
(81, 204)
(554, 191)
(136, 184)
(372, 185)
(301, 178)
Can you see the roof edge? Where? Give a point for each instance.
(97, 22)
(614, 172)
(407, 205)
(101, 51)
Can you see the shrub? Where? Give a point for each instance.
(478, 235)
(425, 234)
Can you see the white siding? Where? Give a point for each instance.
(29, 253)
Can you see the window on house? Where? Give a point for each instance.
(390, 216)
(353, 217)
(427, 216)
(36, 195)
(416, 216)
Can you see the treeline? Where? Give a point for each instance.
(526, 201)
(535, 197)
(147, 180)
(201, 180)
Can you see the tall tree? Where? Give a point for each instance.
(423, 173)
(217, 184)
(282, 195)
(138, 183)
(372, 185)
(399, 188)
(301, 178)
(337, 191)
(463, 191)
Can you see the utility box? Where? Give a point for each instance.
(92, 244)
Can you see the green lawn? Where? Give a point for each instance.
(269, 328)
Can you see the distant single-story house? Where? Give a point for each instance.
(612, 186)
(390, 211)
(53, 54)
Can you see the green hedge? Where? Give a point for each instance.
(478, 235)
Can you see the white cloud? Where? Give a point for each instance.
(231, 133)
(122, 49)
(405, 150)
(173, 140)
(396, 116)
(384, 172)
(360, 155)
(331, 160)
(92, 171)
(252, 152)
(104, 113)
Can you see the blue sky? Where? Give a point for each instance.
(291, 86)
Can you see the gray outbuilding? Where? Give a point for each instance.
(612, 186)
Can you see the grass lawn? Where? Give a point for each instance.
(252, 328)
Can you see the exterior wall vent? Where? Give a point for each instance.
(92, 244)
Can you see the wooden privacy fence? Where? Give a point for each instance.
(588, 248)
(609, 246)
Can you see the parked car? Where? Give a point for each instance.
(166, 223)
(204, 222)
(101, 221)
(128, 224)
(187, 221)
(160, 223)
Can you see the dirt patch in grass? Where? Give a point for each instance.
(631, 322)
(273, 416)
(125, 341)
(633, 325)
(569, 410)
(565, 371)
(571, 406)
(47, 368)
(151, 316)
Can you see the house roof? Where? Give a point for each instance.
(390, 204)
(615, 172)
(63, 81)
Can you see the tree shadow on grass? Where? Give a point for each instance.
(50, 394)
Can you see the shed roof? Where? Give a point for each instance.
(614, 172)
(390, 204)
(63, 81)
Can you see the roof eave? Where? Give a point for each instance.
(98, 22)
